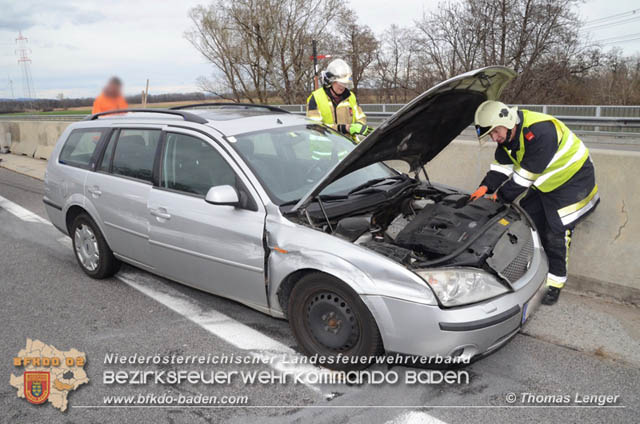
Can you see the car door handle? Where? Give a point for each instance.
(160, 213)
(95, 191)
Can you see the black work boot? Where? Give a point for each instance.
(551, 296)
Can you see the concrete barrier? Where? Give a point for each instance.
(605, 250)
(33, 138)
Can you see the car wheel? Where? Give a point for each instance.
(329, 319)
(92, 252)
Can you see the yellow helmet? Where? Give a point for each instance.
(491, 114)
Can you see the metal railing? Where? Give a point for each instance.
(598, 120)
(619, 121)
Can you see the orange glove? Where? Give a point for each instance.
(481, 191)
(493, 196)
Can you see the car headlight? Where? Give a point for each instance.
(462, 286)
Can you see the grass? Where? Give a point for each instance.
(53, 112)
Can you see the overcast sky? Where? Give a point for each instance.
(76, 45)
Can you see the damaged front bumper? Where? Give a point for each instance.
(465, 331)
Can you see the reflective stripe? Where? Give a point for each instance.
(521, 181)
(314, 115)
(503, 169)
(556, 281)
(568, 219)
(525, 174)
(567, 244)
(564, 149)
(578, 205)
(582, 151)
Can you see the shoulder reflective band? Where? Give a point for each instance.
(503, 169)
(570, 213)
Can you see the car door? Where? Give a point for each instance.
(216, 248)
(119, 190)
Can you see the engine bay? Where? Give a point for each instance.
(422, 225)
(430, 226)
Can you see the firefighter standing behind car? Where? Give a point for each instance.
(538, 152)
(335, 105)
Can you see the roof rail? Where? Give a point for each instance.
(230, 105)
(189, 117)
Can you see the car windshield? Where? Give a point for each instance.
(290, 161)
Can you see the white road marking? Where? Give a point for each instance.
(66, 242)
(20, 212)
(225, 328)
(415, 417)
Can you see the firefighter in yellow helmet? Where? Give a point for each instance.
(539, 154)
(335, 105)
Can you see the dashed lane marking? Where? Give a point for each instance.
(20, 212)
(224, 327)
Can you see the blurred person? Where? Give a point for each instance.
(111, 97)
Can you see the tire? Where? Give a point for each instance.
(89, 241)
(329, 319)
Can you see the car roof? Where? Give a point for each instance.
(229, 121)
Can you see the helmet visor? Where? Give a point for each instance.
(483, 132)
(345, 81)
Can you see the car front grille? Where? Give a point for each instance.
(520, 264)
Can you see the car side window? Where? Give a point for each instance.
(108, 153)
(80, 146)
(194, 166)
(135, 152)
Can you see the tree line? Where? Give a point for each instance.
(260, 50)
(46, 105)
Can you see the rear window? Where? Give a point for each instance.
(80, 146)
(135, 153)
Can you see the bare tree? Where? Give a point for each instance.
(261, 48)
(358, 46)
(395, 65)
(520, 34)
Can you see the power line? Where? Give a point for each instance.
(621, 41)
(613, 39)
(609, 24)
(606, 18)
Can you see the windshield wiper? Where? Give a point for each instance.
(323, 197)
(373, 182)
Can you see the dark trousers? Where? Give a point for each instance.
(555, 239)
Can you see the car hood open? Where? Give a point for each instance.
(423, 127)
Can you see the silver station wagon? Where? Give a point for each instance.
(290, 218)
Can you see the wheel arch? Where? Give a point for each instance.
(76, 209)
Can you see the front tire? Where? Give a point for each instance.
(329, 319)
(91, 249)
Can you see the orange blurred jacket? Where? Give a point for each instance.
(103, 103)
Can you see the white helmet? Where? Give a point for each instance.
(491, 114)
(338, 71)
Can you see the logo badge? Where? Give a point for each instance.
(36, 386)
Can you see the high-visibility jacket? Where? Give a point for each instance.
(573, 197)
(345, 113)
(104, 103)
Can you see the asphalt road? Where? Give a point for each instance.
(44, 295)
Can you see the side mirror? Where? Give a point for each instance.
(222, 195)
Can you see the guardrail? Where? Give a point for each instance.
(597, 120)
(63, 117)
(617, 121)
